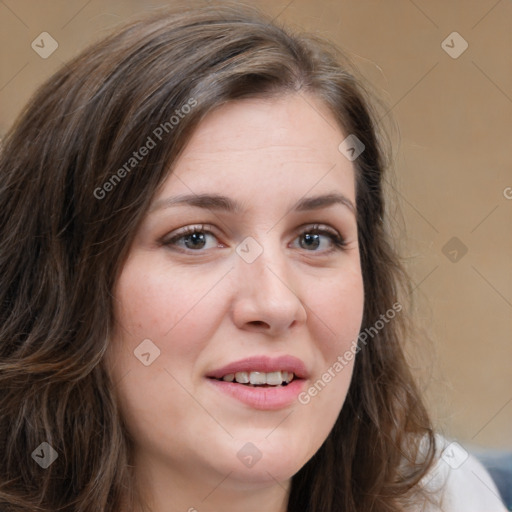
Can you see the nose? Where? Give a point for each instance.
(265, 297)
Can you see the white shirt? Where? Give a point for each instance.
(460, 482)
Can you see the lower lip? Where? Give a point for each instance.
(266, 399)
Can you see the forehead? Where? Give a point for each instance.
(288, 142)
(285, 123)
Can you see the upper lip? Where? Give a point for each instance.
(263, 364)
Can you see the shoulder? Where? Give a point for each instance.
(459, 482)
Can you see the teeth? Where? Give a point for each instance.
(260, 378)
(275, 378)
(242, 377)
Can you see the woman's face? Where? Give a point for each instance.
(257, 287)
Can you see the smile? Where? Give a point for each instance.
(256, 378)
(261, 382)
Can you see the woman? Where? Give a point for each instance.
(201, 308)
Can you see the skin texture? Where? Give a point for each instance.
(206, 307)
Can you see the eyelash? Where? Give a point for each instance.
(338, 242)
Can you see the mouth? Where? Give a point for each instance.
(277, 379)
(261, 382)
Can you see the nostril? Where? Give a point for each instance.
(258, 323)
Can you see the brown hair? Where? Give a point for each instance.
(68, 214)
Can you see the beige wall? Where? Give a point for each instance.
(453, 163)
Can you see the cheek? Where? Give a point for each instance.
(176, 314)
(336, 308)
(335, 312)
(164, 306)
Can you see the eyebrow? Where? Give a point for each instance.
(220, 202)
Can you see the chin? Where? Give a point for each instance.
(265, 473)
(268, 460)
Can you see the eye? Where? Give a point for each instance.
(194, 238)
(315, 238)
(323, 237)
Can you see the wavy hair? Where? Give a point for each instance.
(65, 234)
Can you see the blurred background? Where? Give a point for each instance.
(444, 70)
